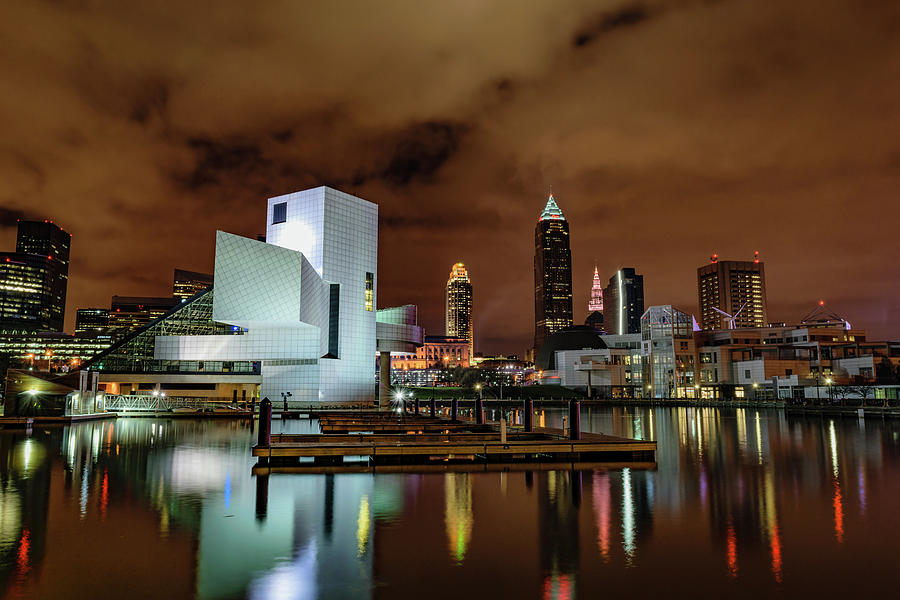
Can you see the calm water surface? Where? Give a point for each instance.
(742, 503)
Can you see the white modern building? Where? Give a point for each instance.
(295, 313)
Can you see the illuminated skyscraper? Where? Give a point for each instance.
(595, 305)
(33, 279)
(596, 302)
(624, 302)
(552, 273)
(732, 293)
(188, 283)
(458, 306)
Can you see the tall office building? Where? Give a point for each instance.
(552, 273)
(33, 279)
(458, 307)
(130, 313)
(189, 283)
(595, 304)
(734, 287)
(92, 320)
(624, 302)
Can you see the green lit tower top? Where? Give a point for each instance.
(552, 273)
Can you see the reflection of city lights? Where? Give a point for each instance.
(731, 551)
(838, 512)
(26, 452)
(832, 440)
(557, 586)
(602, 510)
(458, 517)
(363, 525)
(627, 516)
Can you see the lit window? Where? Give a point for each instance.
(370, 292)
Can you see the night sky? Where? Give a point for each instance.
(668, 130)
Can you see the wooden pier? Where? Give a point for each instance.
(383, 440)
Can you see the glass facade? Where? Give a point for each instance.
(33, 279)
(624, 302)
(92, 320)
(667, 347)
(188, 283)
(134, 354)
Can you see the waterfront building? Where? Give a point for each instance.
(668, 351)
(188, 283)
(732, 293)
(624, 302)
(458, 307)
(34, 278)
(579, 358)
(437, 352)
(130, 313)
(552, 274)
(51, 351)
(293, 315)
(92, 321)
(673, 358)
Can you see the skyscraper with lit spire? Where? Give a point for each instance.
(595, 304)
(552, 273)
(458, 306)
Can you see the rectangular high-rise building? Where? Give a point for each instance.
(623, 302)
(552, 274)
(129, 313)
(34, 278)
(732, 293)
(92, 320)
(189, 283)
(458, 307)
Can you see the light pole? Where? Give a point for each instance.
(828, 382)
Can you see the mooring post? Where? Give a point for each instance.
(503, 429)
(575, 419)
(262, 497)
(265, 425)
(433, 408)
(454, 409)
(528, 420)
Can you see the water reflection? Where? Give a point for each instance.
(738, 496)
(458, 513)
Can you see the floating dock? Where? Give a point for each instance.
(367, 440)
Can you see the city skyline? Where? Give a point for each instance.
(702, 144)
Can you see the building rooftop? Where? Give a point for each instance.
(552, 211)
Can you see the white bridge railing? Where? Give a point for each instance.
(147, 402)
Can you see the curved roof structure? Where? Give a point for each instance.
(578, 337)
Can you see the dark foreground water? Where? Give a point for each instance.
(742, 503)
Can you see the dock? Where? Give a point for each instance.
(391, 441)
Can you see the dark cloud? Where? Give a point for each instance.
(10, 216)
(679, 129)
(421, 149)
(150, 101)
(623, 17)
(219, 160)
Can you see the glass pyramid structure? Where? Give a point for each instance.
(134, 353)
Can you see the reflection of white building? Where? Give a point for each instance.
(295, 313)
